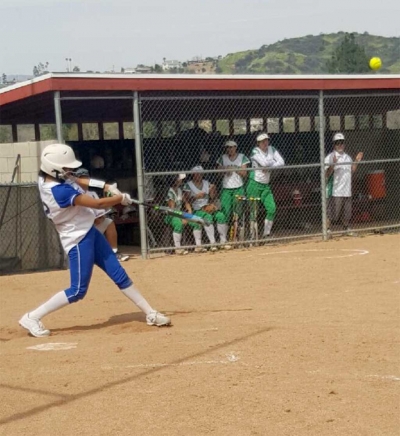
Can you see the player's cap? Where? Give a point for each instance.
(182, 176)
(82, 172)
(338, 137)
(230, 144)
(262, 136)
(198, 168)
(97, 162)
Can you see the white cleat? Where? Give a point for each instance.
(157, 319)
(35, 326)
(122, 257)
(200, 250)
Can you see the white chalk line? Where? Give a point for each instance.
(386, 377)
(230, 358)
(53, 346)
(353, 252)
(381, 377)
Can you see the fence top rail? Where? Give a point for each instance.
(284, 167)
(20, 184)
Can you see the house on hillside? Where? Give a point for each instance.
(129, 70)
(143, 69)
(170, 65)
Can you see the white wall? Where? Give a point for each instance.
(30, 160)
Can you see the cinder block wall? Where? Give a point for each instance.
(30, 160)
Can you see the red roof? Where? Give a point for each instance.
(155, 82)
(110, 96)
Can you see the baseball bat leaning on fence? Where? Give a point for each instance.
(253, 202)
(234, 226)
(173, 212)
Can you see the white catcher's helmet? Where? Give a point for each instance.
(56, 157)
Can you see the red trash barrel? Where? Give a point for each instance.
(376, 184)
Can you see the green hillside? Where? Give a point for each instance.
(308, 55)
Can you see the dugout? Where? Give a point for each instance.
(134, 128)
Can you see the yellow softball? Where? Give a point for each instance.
(375, 63)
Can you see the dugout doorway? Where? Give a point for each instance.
(114, 160)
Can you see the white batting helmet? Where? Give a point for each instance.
(56, 157)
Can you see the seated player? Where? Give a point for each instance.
(175, 200)
(202, 195)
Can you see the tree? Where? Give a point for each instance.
(76, 69)
(3, 78)
(348, 58)
(41, 68)
(158, 68)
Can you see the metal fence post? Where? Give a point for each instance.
(57, 110)
(322, 162)
(139, 173)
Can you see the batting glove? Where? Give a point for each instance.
(113, 190)
(126, 199)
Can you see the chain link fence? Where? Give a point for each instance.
(199, 154)
(28, 241)
(370, 124)
(187, 150)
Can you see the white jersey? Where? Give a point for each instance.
(264, 160)
(341, 174)
(71, 222)
(97, 212)
(234, 180)
(176, 196)
(199, 203)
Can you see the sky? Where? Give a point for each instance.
(105, 35)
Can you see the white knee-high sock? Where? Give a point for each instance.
(134, 295)
(197, 237)
(241, 233)
(267, 227)
(177, 239)
(56, 302)
(222, 230)
(253, 229)
(210, 233)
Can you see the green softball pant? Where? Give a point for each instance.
(262, 191)
(178, 225)
(230, 204)
(218, 216)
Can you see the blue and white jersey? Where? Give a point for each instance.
(71, 222)
(97, 212)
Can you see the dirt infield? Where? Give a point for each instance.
(292, 340)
